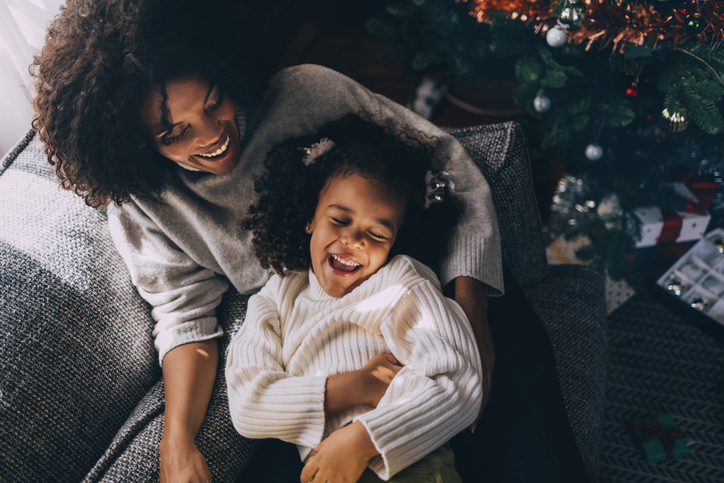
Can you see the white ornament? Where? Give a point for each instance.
(594, 152)
(541, 103)
(556, 36)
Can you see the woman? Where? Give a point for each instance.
(154, 110)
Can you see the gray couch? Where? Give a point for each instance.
(81, 394)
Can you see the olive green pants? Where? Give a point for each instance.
(437, 467)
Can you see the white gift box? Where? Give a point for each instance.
(673, 226)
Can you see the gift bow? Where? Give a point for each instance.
(652, 430)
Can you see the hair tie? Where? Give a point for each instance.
(316, 150)
(435, 189)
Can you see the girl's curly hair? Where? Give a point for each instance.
(290, 190)
(99, 61)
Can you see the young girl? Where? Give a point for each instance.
(351, 350)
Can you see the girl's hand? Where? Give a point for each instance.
(181, 461)
(377, 376)
(341, 458)
(365, 386)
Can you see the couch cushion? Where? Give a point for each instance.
(76, 352)
(80, 390)
(500, 151)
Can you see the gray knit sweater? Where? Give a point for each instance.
(184, 247)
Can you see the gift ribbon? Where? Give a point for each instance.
(652, 430)
(672, 227)
(703, 187)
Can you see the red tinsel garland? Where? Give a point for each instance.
(608, 22)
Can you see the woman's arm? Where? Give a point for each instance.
(188, 376)
(303, 98)
(470, 294)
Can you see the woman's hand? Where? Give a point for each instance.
(341, 458)
(470, 294)
(181, 461)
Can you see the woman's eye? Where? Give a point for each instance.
(378, 236)
(217, 103)
(338, 221)
(170, 138)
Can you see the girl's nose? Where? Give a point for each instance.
(354, 239)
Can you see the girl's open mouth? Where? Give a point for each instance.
(341, 266)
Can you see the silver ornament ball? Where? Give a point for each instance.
(541, 103)
(594, 152)
(556, 36)
(572, 17)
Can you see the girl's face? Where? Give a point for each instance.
(354, 227)
(203, 133)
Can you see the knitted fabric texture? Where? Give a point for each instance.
(80, 397)
(182, 252)
(295, 336)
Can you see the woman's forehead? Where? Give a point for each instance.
(182, 94)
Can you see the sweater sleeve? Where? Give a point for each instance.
(264, 400)
(184, 295)
(438, 391)
(310, 96)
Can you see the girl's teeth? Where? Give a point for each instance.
(345, 262)
(218, 151)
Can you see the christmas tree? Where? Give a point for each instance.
(626, 93)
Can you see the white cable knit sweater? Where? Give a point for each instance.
(295, 336)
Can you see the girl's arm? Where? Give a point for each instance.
(365, 386)
(344, 457)
(438, 391)
(188, 376)
(264, 400)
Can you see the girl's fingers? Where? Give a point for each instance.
(392, 359)
(309, 470)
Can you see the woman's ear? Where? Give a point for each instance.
(309, 228)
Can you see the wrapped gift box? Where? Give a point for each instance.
(659, 438)
(673, 226)
(694, 285)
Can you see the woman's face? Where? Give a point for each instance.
(354, 227)
(203, 132)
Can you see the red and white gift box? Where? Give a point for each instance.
(673, 226)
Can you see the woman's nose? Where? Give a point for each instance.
(208, 132)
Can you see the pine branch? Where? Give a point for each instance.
(703, 112)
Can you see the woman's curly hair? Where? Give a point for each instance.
(290, 190)
(98, 63)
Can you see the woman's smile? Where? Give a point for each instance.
(194, 126)
(219, 151)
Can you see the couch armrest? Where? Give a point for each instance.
(570, 302)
